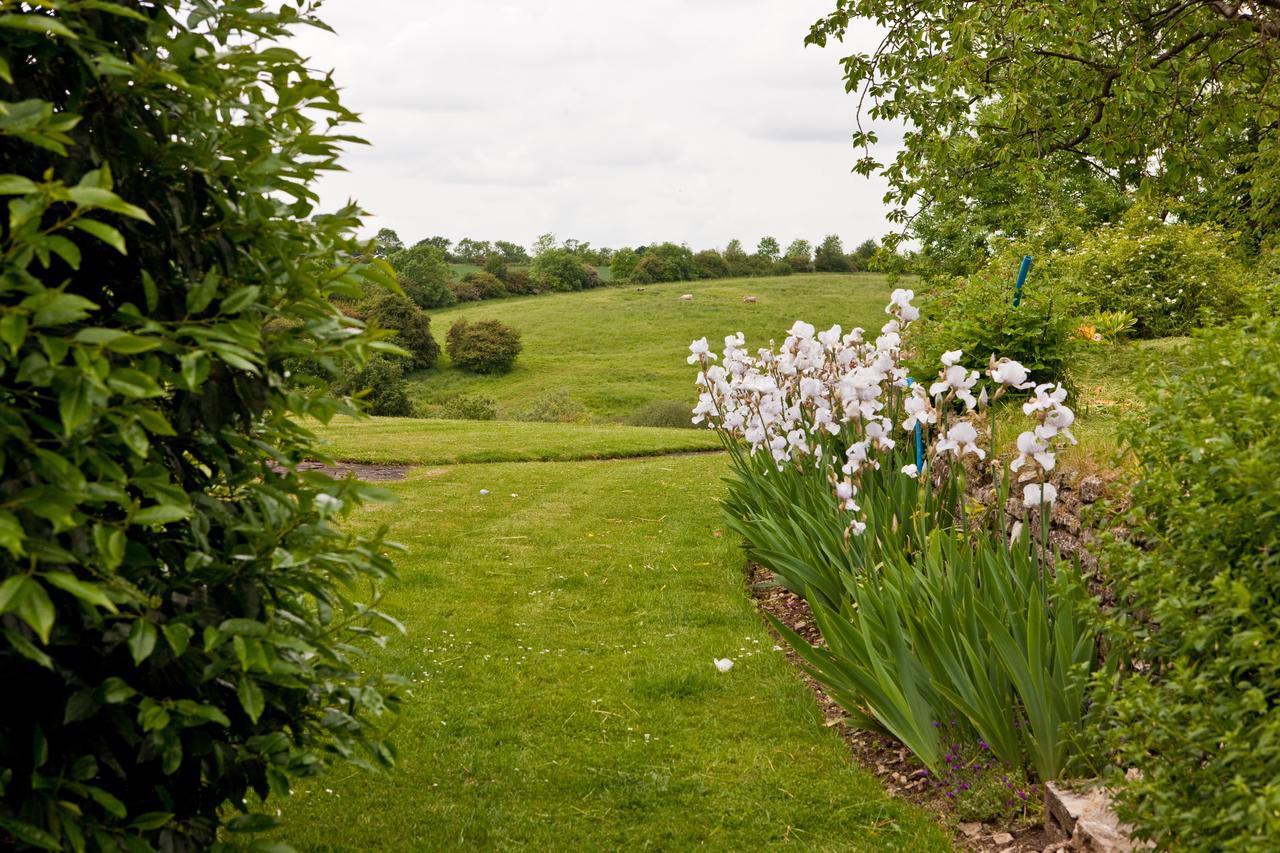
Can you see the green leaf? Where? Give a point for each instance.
(160, 514)
(37, 24)
(149, 291)
(5, 74)
(151, 820)
(115, 690)
(110, 542)
(103, 232)
(32, 604)
(13, 331)
(178, 636)
(17, 185)
(251, 698)
(55, 308)
(24, 647)
(11, 534)
(109, 803)
(30, 834)
(133, 383)
(74, 406)
(86, 592)
(142, 640)
(240, 300)
(199, 297)
(97, 197)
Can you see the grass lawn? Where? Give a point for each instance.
(561, 644)
(435, 442)
(614, 350)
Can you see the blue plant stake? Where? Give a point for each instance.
(1022, 279)
(919, 437)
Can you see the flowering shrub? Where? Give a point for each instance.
(486, 346)
(851, 490)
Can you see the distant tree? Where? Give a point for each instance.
(386, 243)
(666, 262)
(425, 275)
(829, 256)
(710, 264)
(559, 269)
(769, 248)
(496, 265)
(512, 253)
(799, 256)
(623, 264)
(544, 243)
(441, 243)
(737, 259)
(412, 327)
(470, 251)
(604, 256)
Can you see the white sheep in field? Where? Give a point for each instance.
(686, 297)
(751, 300)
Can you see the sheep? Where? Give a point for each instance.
(686, 297)
(751, 300)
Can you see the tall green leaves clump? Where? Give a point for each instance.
(178, 618)
(1201, 587)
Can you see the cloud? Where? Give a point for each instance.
(610, 121)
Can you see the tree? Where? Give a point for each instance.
(736, 258)
(623, 264)
(512, 253)
(181, 619)
(665, 262)
(487, 346)
(1166, 98)
(411, 325)
(544, 243)
(558, 269)
(496, 266)
(768, 248)
(386, 243)
(710, 264)
(829, 256)
(425, 275)
(441, 243)
(470, 251)
(800, 256)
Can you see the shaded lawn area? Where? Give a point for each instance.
(413, 441)
(561, 644)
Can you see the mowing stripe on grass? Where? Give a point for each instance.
(561, 636)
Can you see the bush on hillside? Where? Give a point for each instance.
(662, 413)
(665, 262)
(1172, 277)
(488, 286)
(1200, 584)
(425, 275)
(379, 387)
(411, 325)
(977, 316)
(485, 346)
(496, 265)
(556, 406)
(558, 269)
(623, 264)
(518, 283)
(468, 408)
(710, 264)
(181, 620)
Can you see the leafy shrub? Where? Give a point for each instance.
(1202, 573)
(665, 262)
(180, 622)
(977, 317)
(412, 327)
(592, 277)
(464, 291)
(379, 386)
(486, 346)
(710, 264)
(662, 413)
(496, 265)
(425, 275)
(623, 264)
(518, 283)
(1172, 277)
(466, 408)
(558, 269)
(781, 267)
(556, 406)
(488, 286)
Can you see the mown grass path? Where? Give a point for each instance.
(561, 632)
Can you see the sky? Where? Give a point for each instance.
(615, 122)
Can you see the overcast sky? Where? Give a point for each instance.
(611, 121)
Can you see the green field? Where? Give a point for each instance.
(614, 350)
(560, 638)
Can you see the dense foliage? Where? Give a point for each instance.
(485, 346)
(180, 623)
(665, 262)
(1178, 98)
(425, 275)
(560, 270)
(411, 325)
(1200, 589)
(380, 387)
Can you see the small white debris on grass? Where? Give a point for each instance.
(484, 491)
(723, 664)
